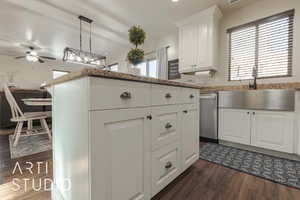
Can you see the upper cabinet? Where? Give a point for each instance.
(198, 41)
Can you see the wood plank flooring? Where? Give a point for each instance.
(203, 181)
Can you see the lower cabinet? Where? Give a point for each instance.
(139, 151)
(165, 125)
(125, 145)
(273, 130)
(120, 154)
(165, 166)
(266, 129)
(189, 135)
(235, 125)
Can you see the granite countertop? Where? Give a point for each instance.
(290, 85)
(116, 75)
(130, 77)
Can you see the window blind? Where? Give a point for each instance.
(266, 44)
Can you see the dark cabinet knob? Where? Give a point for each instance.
(185, 111)
(168, 95)
(168, 126)
(168, 165)
(192, 96)
(149, 117)
(125, 95)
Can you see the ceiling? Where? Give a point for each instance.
(53, 24)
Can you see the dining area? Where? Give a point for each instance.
(26, 119)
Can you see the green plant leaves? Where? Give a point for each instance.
(137, 35)
(135, 56)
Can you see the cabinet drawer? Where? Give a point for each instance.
(113, 94)
(189, 95)
(165, 125)
(165, 95)
(165, 166)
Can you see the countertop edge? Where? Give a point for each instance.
(116, 75)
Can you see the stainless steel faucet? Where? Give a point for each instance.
(254, 75)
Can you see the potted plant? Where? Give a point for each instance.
(137, 37)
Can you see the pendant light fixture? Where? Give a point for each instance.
(84, 57)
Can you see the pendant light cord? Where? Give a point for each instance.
(80, 35)
(90, 37)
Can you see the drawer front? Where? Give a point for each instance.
(115, 94)
(165, 125)
(189, 95)
(165, 166)
(165, 95)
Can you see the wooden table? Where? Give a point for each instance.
(38, 101)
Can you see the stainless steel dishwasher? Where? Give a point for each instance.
(209, 117)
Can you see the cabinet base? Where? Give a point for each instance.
(204, 139)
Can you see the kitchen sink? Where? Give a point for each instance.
(271, 99)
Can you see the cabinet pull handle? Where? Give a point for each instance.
(185, 111)
(248, 113)
(149, 117)
(192, 96)
(253, 113)
(168, 125)
(168, 165)
(168, 95)
(125, 95)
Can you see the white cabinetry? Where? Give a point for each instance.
(120, 154)
(188, 44)
(235, 125)
(121, 140)
(273, 130)
(166, 166)
(190, 134)
(198, 41)
(266, 129)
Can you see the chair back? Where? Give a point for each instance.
(15, 109)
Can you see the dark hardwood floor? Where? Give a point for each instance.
(203, 181)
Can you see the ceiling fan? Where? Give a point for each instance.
(32, 56)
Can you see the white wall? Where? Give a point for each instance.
(231, 18)
(149, 46)
(251, 12)
(29, 75)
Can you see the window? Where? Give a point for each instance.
(114, 67)
(56, 73)
(148, 68)
(265, 45)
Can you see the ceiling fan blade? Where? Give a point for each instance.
(41, 61)
(19, 57)
(46, 57)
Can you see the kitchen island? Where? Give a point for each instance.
(121, 137)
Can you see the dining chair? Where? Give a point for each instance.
(20, 118)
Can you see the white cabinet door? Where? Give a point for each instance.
(188, 36)
(189, 134)
(235, 125)
(273, 130)
(204, 44)
(120, 154)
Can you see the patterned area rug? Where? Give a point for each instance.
(29, 145)
(278, 170)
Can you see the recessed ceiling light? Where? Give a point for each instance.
(175, 0)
